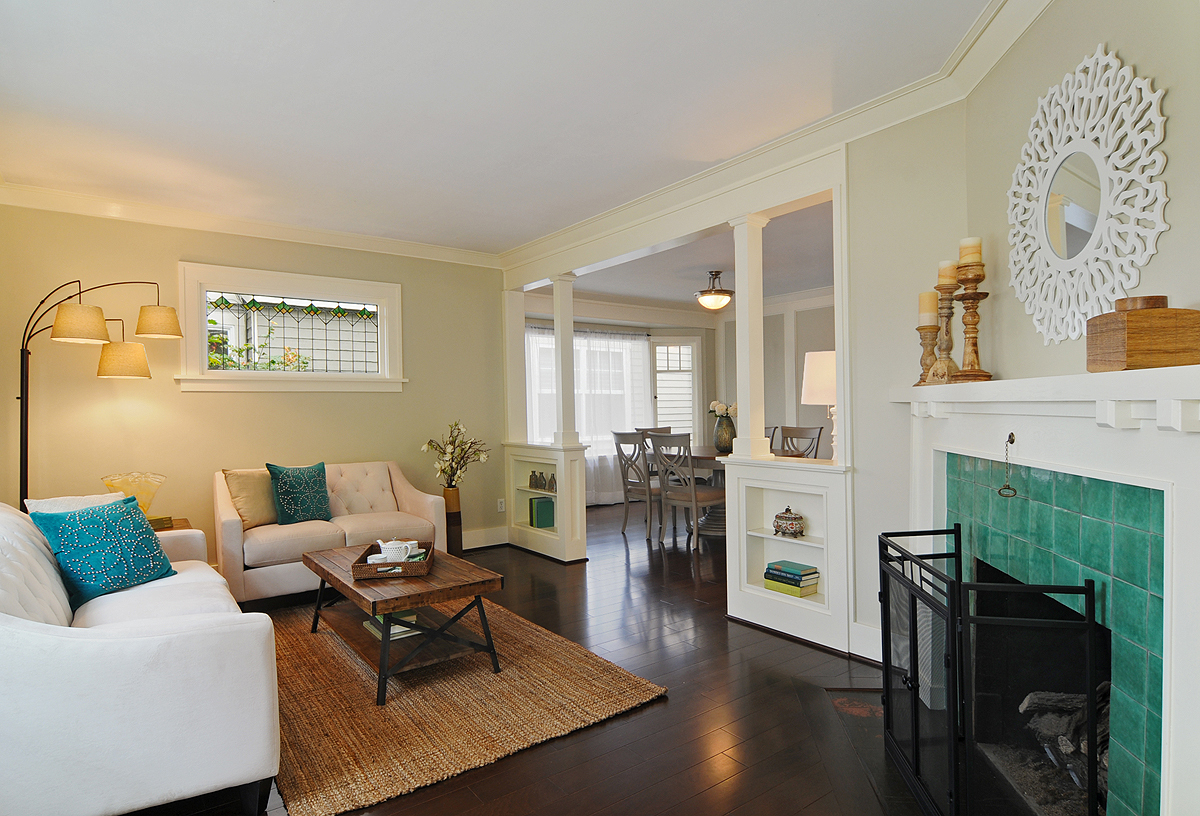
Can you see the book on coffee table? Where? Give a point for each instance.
(375, 626)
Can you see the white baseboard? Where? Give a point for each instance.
(485, 537)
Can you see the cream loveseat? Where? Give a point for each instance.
(148, 695)
(368, 501)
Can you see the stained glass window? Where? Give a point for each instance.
(255, 332)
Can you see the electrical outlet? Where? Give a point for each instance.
(499, 505)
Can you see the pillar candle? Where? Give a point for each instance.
(947, 272)
(927, 313)
(970, 250)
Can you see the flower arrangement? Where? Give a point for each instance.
(454, 453)
(721, 409)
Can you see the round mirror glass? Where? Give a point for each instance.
(1073, 205)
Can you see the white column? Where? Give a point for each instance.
(516, 427)
(748, 311)
(564, 358)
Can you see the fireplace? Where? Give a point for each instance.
(996, 694)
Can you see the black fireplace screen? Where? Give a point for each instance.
(992, 688)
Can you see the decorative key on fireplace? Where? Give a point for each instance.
(1008, 491)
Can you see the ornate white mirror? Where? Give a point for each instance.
(1085, 207)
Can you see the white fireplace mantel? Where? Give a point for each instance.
(1137, 427)
(1167, 397)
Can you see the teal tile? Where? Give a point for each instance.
(1066, 572)
(966, 468)
(952, 465)
(1018, 517)
(1157, 567)
(1154, 625)
(998, 511)
(1041, 566)
(1151, 794)
(1158, 517)
(952, 519)
(1066, 532)
(1131, 506)
(1124, 777)
(1130, 665)
(1118, 808)
(983, 498)
(1153, 753)
(1154, 684)
(998, 550)
(1098, 499)
(1127, 721)
(1129, 608)
(1041, 485)
(1018, 559)
(983, 471)
(1019, 480)
(1068, 491)
(1103, 582)
(998, 476)
(952, 493)
(1131, 555)
(1095, 544)
(1041, 524)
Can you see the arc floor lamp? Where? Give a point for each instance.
(78, 322)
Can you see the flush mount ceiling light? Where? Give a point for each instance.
(714, 297)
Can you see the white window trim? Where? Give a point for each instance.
(195, 279)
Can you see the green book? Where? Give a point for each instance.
(788, 589)
(803, 570)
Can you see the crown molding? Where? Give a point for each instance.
(995, 31)
(40, 198)
(617, 313)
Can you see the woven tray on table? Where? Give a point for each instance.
(361, 570)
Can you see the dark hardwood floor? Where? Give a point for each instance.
(747, 726)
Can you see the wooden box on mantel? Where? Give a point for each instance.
(1143, 333)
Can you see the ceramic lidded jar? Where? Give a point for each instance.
(789, 524)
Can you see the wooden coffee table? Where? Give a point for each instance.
(449, 578)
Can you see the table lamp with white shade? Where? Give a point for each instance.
(819, 387)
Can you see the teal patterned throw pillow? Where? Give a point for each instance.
(300, 493)
(103, 549)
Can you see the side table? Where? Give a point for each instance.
(182, 542)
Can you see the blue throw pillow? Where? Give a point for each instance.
(103, 549)
(301, 494)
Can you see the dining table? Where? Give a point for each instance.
(706, 457)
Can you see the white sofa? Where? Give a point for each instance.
(149, 695)
(368, 501)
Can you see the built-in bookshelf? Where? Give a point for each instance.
(756, 491)
(564, 539)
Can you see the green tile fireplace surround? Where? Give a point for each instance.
(1061, 529)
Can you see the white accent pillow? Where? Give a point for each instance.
(69, 504)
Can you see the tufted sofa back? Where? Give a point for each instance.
(359, 487)
(31, 586)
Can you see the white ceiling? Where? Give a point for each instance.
(472, 125)
(797, 257)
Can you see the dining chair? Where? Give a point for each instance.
(677, 479)
(646, 441)
(769, 432)
(801, 442)
(637, 481)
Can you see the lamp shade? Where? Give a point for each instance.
(819, 386)
(79, 323)
(124, 361)
(714, 297)
(158, 321)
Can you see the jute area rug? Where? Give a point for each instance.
(340, 751)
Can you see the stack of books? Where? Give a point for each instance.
(791, 578)
(375, 625)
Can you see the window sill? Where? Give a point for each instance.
(280, 381)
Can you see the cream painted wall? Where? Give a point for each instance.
(906, 192)
(1159, 40)
(83, 428)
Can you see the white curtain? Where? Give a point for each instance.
(612, 393)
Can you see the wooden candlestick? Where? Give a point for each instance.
(944, 368)
(929, 337)
(970, 276)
